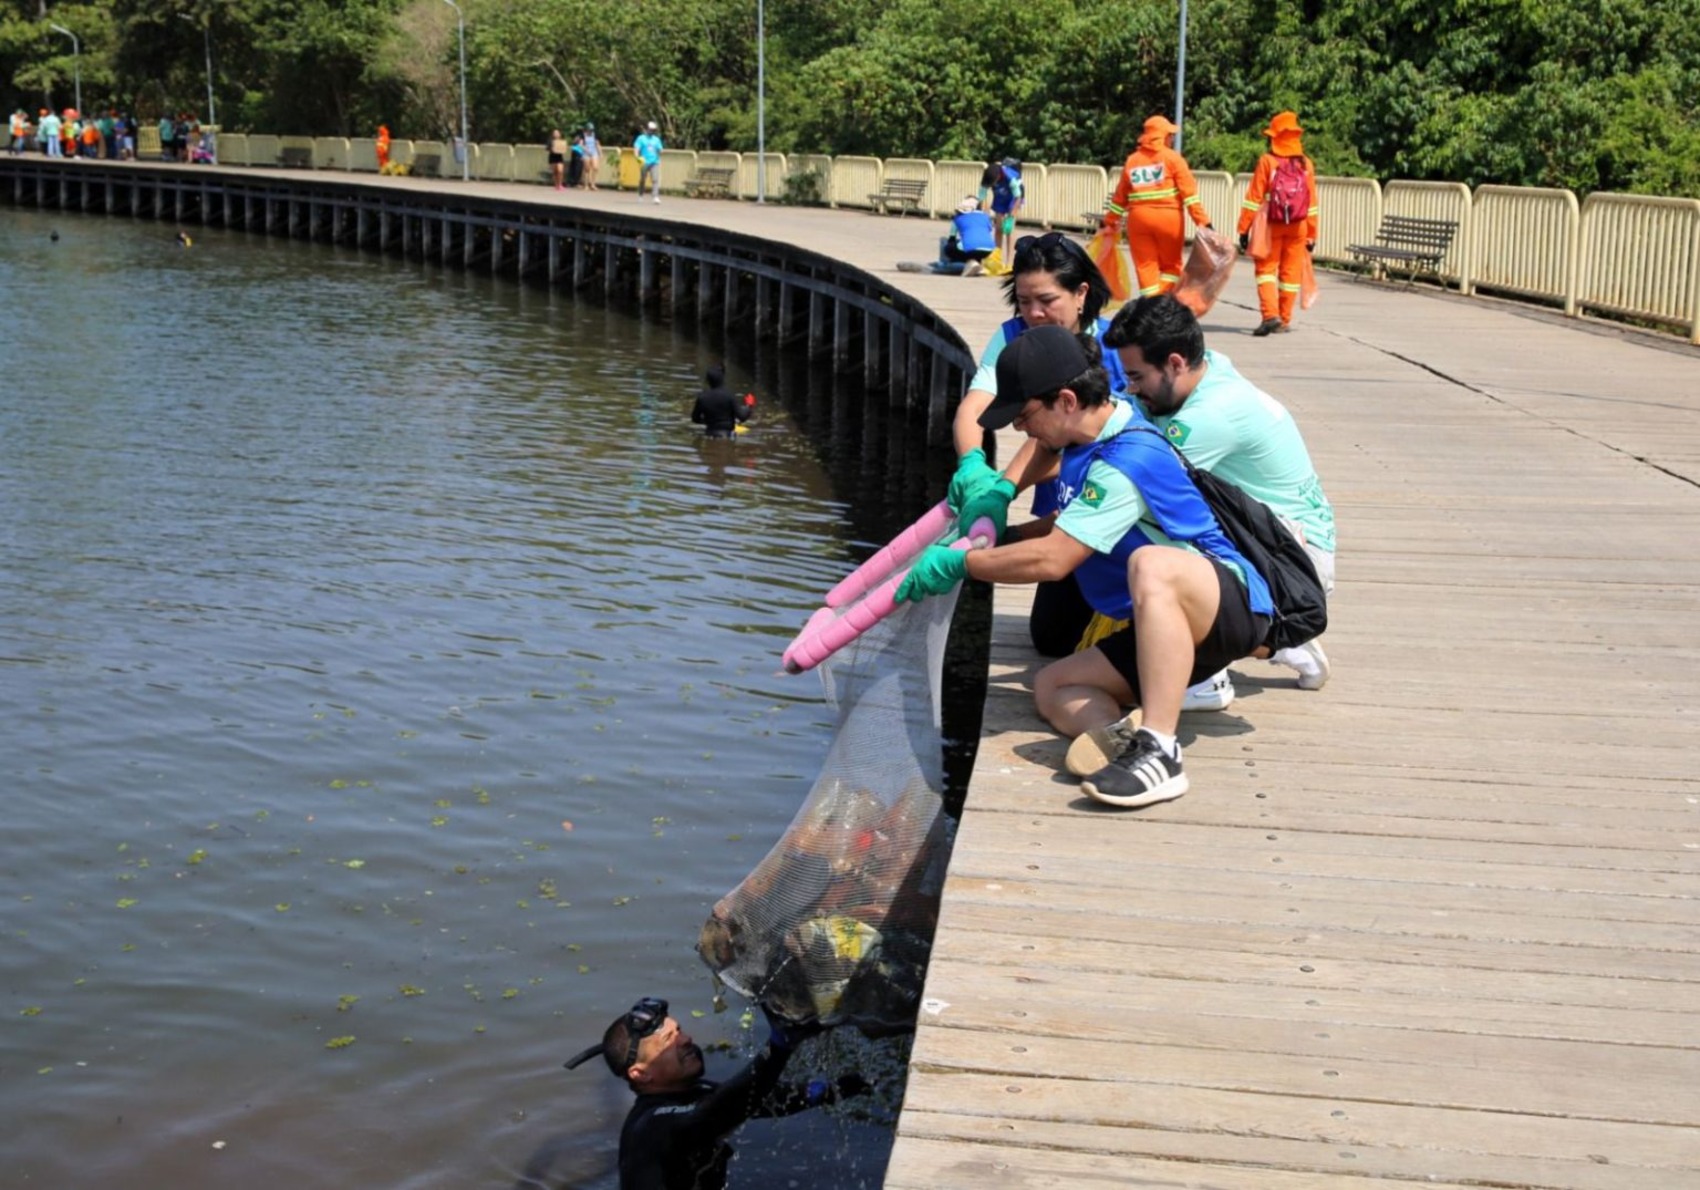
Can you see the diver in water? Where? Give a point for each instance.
(718, 411)
(674, 1138)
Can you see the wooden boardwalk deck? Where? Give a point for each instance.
(1437, 923)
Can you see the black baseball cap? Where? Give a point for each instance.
(1036, 364)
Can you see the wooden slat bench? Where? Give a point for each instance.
(710, 183)
(1409, 243)
(905, 194)
(295, 158)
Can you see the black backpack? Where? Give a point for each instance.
(1301, 608)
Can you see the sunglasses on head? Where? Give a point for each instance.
(642, 1019)
(1042, 241)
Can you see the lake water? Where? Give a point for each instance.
(388, 687)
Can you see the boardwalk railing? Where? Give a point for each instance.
(1627, 255)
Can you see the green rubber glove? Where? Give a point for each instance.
(936, 571)
(990, 501)
(972, 474)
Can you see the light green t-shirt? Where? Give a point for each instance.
(1234, 429)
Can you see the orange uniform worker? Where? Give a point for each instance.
(383, 147)
(1155, 186)
(1285, 180)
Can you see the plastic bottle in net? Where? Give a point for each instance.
(836, 923)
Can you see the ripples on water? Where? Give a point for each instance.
(382, 655)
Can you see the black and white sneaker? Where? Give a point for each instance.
(1141, 776)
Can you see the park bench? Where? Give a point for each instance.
(427, 165)
(715, 182)
(295, 158)
(905, 194)
(1409, 243)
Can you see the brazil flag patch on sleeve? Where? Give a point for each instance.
(1177, 432)
(1091, 495)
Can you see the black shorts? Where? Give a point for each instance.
(1237, 632)
(554, 158)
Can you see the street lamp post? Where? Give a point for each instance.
(465, 148)
(761, 102)
(76, 62)
(1180, 84)
(206, 32)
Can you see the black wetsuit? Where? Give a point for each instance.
(677, 1141)
(718, 412)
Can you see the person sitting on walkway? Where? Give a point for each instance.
(1226, 425)
(1143, 545)
(674, 1137)
(718, 411)
(971, 237)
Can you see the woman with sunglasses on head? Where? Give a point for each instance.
(1052, 282)
(674, 1138)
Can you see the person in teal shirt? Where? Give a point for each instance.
(1225, 424)
(648, 149)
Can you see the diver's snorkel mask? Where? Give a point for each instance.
(644, 1018)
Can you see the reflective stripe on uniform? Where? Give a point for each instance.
(1152, 195)
(1171, 277)
(1251, 206)
(1150, 290)
(1113, 209)
(1288, 287)
(1194, 199)
(1266, 278)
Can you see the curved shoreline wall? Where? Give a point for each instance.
(787, 294)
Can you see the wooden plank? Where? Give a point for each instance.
(1208, 998)
(1612, 1090)
(1040, 1117)
(1095, 838)
(1043, 959)
(928, 1164)
(1614, 952)
(1323, 908)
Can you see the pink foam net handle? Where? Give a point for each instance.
(826, 632)
(900, 551)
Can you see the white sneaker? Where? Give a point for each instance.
(658, 199)
(1096, 747)
(973, 269)
(1310, 661)
(1214, 693)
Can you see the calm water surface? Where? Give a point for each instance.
(387, 689)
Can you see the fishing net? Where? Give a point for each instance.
(835, 924)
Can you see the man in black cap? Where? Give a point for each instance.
(1142, 544)
(674, 1137)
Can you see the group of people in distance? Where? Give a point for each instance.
(1155, 191)
(1141, 596)
(575, 163)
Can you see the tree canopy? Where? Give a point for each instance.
(1584, 94)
